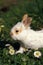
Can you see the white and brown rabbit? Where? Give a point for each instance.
(30, 38)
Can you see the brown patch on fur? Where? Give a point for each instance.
(11, 33)
(20, 29)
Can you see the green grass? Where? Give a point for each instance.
(8, 19)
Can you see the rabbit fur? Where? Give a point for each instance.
(23, 32)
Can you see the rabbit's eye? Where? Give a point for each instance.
(17, 31)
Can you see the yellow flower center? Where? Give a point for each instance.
(37, 53)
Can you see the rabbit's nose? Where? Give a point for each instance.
(11, 33)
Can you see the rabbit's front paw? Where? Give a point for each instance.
(36, 49)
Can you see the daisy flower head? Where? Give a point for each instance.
(11, 47)
(2, 26)
(37, 54)
(11, 51)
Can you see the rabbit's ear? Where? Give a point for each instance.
(26, 20)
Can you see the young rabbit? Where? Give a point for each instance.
(30, 38)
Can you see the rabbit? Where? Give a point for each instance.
(23, 32)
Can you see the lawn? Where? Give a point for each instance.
(9, 16)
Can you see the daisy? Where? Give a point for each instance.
(37, 54)
(11, 51)
(11, 47)
(2, 26)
